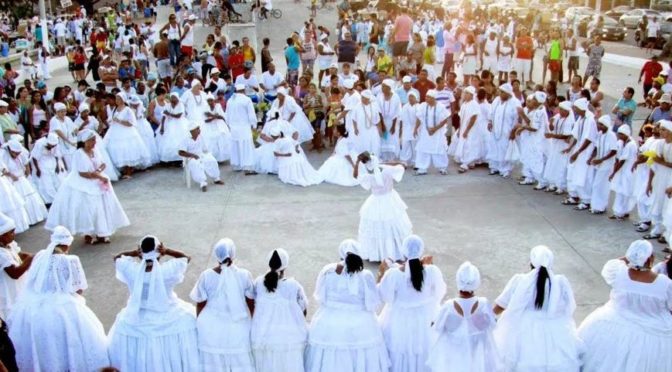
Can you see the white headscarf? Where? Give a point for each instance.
(468, 278)
(349, 246)
(374, 165)
(413, 247)
(284, 258)
(56, 273)
(158, 298)
(229, 285)
(638, 253)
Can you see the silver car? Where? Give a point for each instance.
(632, 18)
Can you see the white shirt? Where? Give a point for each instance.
(270, 82)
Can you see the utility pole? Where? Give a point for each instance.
(43, 23)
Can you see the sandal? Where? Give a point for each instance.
(651, 236)
(101, 240)
(662, 240)
(666, 250)
(88, 239)
(570, 201)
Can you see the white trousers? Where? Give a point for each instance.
(424, 160)
(242, 154)
(644, 211)
(407, 153)
(523, 66)
(490, 64)
(503, 167)
(599, 198)
(623, 204)
(202, 168)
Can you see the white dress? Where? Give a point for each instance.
(223, 329)
(216, 134)
(86, 206)
(175, 130)
(13, 204)
(344, 335)
(110, 170)
(465, 341)
(279, 331)
(300, 121)
(124, 144)
(156, 331)
(383, 222)
(34, 204)
(531, 339)
(265, 159)
(50, 324)
(504, 62)
(69, 130)
(295, 169)
(469, 149)
(633, 330)
(367, 118)
(147, 134)
(555, 171)
(9, 287)
(337, 169)
(52, 171)
(408, 314)
(390, 109)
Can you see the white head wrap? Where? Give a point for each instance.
(223, 249)
(282, 91)
(84, 107)
(507, 88)
(566, 105)
(468, 278)
(58, 106)
(431, 93)
(3, 103)
(367, 94)
(389, 82)
(625, 129)
(209, 96)
(413, 247)
(197, 83)
(134, 100)
(638, 253)
(14, 146)
(540, 97)
(541, 256)
(175, 95)
(606, 120)
(228, 279)
(6, 224)
(284, 258)
(471, 90)
(530, 97)
(667, 124)
(52, 139)
(347, 246)
(240, 87)
(414, 94)
(374, 166)
(581, 104)
(123, 97)
(85, 135)
(406, 79)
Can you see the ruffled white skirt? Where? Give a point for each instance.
(342, 340)
(338, 170)
(147, 134)
(383, 225)
(126, 147)
(296, 170)
(13, 205)
(286, 358)
(265, 159)
(168, 143)
(217, 141)
(86, 214)
(34, 204)
(613, 343)
(477, 353)
(57, 332)
(407, 336)
(302, 125)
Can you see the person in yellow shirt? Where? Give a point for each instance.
(429, 57)
(384, 62)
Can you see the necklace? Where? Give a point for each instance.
(498, 136)
(427, 118)
(368, 116)
(198, 99)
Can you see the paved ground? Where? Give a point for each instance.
(488, 220)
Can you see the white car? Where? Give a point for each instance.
(632, 18)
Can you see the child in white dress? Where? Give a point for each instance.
(13, 263)
(16, 159)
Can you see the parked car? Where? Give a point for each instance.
(665, 33)
(611, 29)
(618, 11)
(632, 18)
(663, 6)
(578, 12)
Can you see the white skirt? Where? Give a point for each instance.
(296, 170)
(265, 159)
(469, 150)
(168, 143)
(555, 171)
(242, 154)
(218, 142)
(57, 332)
(34, 206)
(338, 170)
(86, 214)
(504, 64)
(469, 65)
(342, 340)
(288, 358)
(407, 336)
(13, 205)
(303, 126)
(383, 225)
(613, 343)
(147, 134)
(126, 148)
(477, 353)
(110, 170)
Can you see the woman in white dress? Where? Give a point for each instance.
(215, 131)
(123, 141)
(559, 132)
(623, 176)
(412, 293)
(536, 330)
(389, 105)
(383, 221)
(279, 331)
(13, 263)
(156, 331)
(633, 330)
(66, 131)
(344, 334)
(338, 168)
(293, 166)
(48, 169)
(144, 128)
(289, 110)
(87, 121)
(265, 160)
(469, 58)
(13, 205)
(86, 203)
(224, 302)
(173, 129)
(50, 324)
(464, 328)
(17, 162)
(469, 135)
(408, 120)
(504, 57)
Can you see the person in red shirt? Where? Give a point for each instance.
(524, 55)
(650, 71)
(236, 61)
(423, 84)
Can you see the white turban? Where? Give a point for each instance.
(414, 94)
(413, 247)
(667, 124)
(625, 129)
(84, 107)
(374, 166)
(565, 105)
(471, 90)
(581, 104)
(58, 106)
(389, 82)
(154, 253)
(540, 97)
(282, 90)
(468, 278)
(85, 135)
(284, 258)
(3, 103)
(240, 87)
(606, 120)
(367, 94)
(507, 88)
(348, 246)
(638, 253)
(52, 139)
(14, 146)
(6, 224)
(349, 83)
(61, 236)
(431, 93)
(197, 83)
(175, 94)
(209, 96)
(541, 256)
(223, 249)
(406, 79)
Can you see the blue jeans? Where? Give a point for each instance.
(174, 50)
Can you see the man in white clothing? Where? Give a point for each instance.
(200, 162)
(431, 128)
(270, 81)
(503, 117)
(242, 120)
(602, 161)
(390, 110)
(366, 124)
(579, 173)
(351, 99)
(195, 102)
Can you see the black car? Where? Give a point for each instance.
(618, 11)
(610, 30)
(665, 32)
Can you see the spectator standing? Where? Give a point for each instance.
(650, 70)
(625, 108)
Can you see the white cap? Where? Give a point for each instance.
(389, 82)
(85, 135)
(540, 97)
(192, 17)
(52, 139)
(471, 90)
(506, 88)
(209, 96)
(625, 129)
(666, 98)
(666, 124)
(282, 90)
(414, 94)
(58, 106)
(606, 120)
(565, 105)
(367, 94)
(214, 71)
(84, 107)
(431, 93)
(240, 87)
(14, 145)
(334, 65)
(581, 104)
(406, 79)
(3, 103)
(134, 100)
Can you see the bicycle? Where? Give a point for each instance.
(276, 13)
